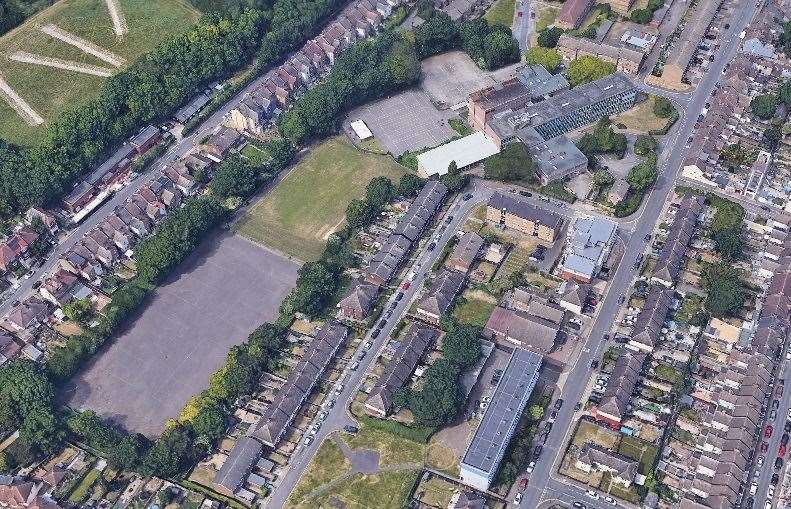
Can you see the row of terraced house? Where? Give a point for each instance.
(275, 91)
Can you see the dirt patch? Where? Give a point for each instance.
(84, 45)
(120, 27)
(18, 104)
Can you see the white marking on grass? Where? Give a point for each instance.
(84, 45)
(119, 20)
(58, 63)
(19, 105)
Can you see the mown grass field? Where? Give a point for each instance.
(298, 215)
(50, 91)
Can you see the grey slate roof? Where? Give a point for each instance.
(441, 293)
(671, 258)
(277, 417)
(525, 210)
(399, 369)
(237, 466)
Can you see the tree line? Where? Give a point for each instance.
(490, 46)
(152, 88)
(369, 69)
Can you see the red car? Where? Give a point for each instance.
(406, 285)
(781, 451)
(768, 431)
(764, 447)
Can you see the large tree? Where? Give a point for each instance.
(462, 345)
(764, 106)
(588, 68)
(725, 292)
(514, 163)
(548, 57)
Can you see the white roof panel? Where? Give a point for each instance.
(465, 151)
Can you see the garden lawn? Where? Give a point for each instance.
(81, 491)
(546, 17)
(328, 464)
(474, 310)
(49, 91)
(501, 12)
(299, 214)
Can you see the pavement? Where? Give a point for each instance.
(543, 483)
(339, 415)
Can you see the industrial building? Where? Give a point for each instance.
(482, 458)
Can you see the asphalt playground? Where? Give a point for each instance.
(226, 288)
(405, 122)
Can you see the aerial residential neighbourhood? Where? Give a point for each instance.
(371, 254)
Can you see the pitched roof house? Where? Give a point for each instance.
(465, 252)
(28, 315)
(19, 494)
(358, 300)
(593, 457)
(437, 300)
(58, 287)
(521, 329)
(399, 369)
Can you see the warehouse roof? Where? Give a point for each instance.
(465, 151)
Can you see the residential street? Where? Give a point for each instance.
(523, 25)
(178, 150)
(670, 162)
(338, 415)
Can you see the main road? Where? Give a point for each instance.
(673, 153)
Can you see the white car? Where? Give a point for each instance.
(760, 461)
(610, 500)
(530, 467)
(308, 440)
(788, 356)
(592, 494)
(789, 413)
(518, 498)
(770, 492)
(753, 488)
(323, 415)
(768, 504)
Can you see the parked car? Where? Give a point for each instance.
(774, 480)
(610, 500)
(764, 446)
(351, 429)
(375, 333)
(768, 431)
(778, 462)
(431, 246)
(537, 451)
(592, 494)
(784, 438)
(518, 498)
(530, 467)
(558, 404)
(467, 196)
(781, 451)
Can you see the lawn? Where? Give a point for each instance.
(310, 203)
(255, 154)
(474, 310)
(501, 12)
(81, 491)
(49, 91)
(591, 432)
(393, 450)
(639, 450)
(328, 463)
(641, 118)
(437, 492)
(387, 490)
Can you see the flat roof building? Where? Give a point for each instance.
(588, 246)
(482, 458)
(464, 151)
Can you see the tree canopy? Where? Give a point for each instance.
(643, 175)
(462, 345)
(548, 57)
(549, 37)
(764, 106)
(725, 291)
(663, 107)
(729, 243)
(645, 144)
(588, 68)
(514, 163)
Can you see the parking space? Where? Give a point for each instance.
(405, 122)
(223, 291)
(450, 77)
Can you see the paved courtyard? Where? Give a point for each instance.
(405, 122)
(226, 289)
(451, 77)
